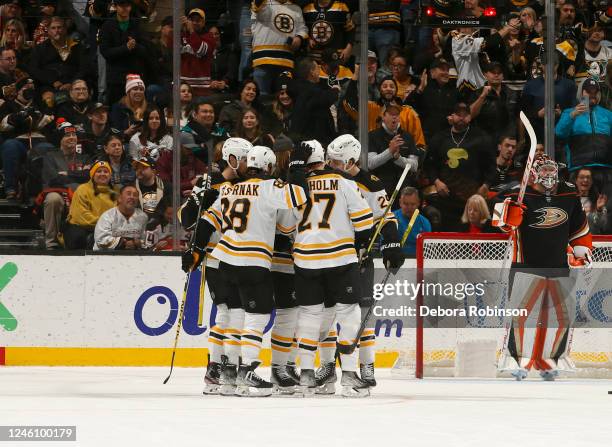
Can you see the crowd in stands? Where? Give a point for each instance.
(86, 107)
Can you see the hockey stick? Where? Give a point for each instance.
(202, 293)
(521, 196)
(185, 287)
(364, 322)
(409, 227)
(381, 223)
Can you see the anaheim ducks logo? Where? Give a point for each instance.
(550, 218)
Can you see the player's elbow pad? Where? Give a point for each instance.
(389, 232)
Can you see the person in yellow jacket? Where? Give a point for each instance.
(89, 201)
(409, 119)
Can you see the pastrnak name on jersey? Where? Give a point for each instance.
(245, 189)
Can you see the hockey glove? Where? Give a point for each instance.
(299, 155)
(393, 257)
(508, 215)
(579, 257)
(191, 259)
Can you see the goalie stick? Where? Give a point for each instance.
(351, 348)
(207, 186)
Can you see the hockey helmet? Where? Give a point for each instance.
(344, 148)
(238, 147)
(545, 171)
(318, 153)
(259, 158)
(270, 159)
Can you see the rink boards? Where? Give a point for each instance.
(105, 311)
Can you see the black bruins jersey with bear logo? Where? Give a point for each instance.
(329, 26)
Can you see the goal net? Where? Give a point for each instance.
(464, 346)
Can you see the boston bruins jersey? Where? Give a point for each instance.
(550, 223)
(274, 26)
(373, 190)
(247, 218)
(326, 225)
(329, 26)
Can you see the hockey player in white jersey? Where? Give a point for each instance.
(343, 155)
(331, 228)
(224, 336)
(247, 218)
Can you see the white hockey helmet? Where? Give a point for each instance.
(318, 153)
(271, 159)
(259, 158)
(344, 148)
(238, 147)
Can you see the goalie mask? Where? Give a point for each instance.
(545, 171)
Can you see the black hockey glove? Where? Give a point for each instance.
(391, 248)
(191, 259)
(299, 155)
(393, 257)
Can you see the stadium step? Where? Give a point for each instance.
(19, 227)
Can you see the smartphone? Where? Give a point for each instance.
(585, 101)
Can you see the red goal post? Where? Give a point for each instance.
(460, 250)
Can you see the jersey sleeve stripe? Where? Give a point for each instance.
(288, 198)
(292, 195)
(362, 218)
(360, 213)
(368, 223)
(211, 219)
(583, 231)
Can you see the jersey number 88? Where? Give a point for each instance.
(238, 210)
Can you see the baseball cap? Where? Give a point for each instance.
(98, 106)
(167, 21)
(144, 160)
(197, 11)
(461, 107)
(372, 55)
(439, 62)
(590, 84)
(188, 141)
(392, 105)
(493, 66)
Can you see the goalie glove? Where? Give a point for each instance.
(579, 257)
(508, 215)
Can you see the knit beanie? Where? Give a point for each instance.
(133, 80)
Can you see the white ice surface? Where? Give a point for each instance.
(130, 407)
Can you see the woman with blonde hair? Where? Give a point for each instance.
(128, 114)
(476, 216)
(14, 36)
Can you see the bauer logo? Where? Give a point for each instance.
(7, 321)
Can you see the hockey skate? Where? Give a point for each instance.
(519, 374)
(326, 378)
(228, 379)
(212, 379)
(283, 383)
(353, 386)
(308, 382)
(549, 375)
(293, 372)
(249, 384)
(367, 374)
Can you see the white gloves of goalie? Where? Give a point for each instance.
(579, 257)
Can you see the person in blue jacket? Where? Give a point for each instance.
(409, 203)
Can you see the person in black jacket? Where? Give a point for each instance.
(460, 162)
(125, 49)
(312, 118)
(57, 61)
(391, 148)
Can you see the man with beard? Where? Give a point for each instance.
(409, 119)
(460, 162)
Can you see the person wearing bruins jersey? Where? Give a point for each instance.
(247, 218)
(330, 229)
(550, 231)
(329, 26)
(224, 336)
(343, 154)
